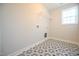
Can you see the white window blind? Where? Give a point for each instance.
(70, 15)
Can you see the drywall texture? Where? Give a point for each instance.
(23, 25)
(63, 31)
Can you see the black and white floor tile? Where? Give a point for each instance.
(52, 47)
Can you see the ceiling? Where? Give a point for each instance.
(50, 6)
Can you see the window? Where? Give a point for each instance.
(70, 15)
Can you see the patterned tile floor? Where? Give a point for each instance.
(52, 48)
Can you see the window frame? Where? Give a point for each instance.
(76, 16)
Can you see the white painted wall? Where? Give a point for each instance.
(0, 38)
(60, 31)
(19, 26)
(0, 28)
(0, 34)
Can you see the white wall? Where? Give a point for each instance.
(0, 28)
(19, 26)
(0, 38)
(61, 31)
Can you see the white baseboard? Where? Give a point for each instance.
(26, 48)
(64, 40)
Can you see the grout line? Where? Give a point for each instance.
(26, 48)
(68, 41)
